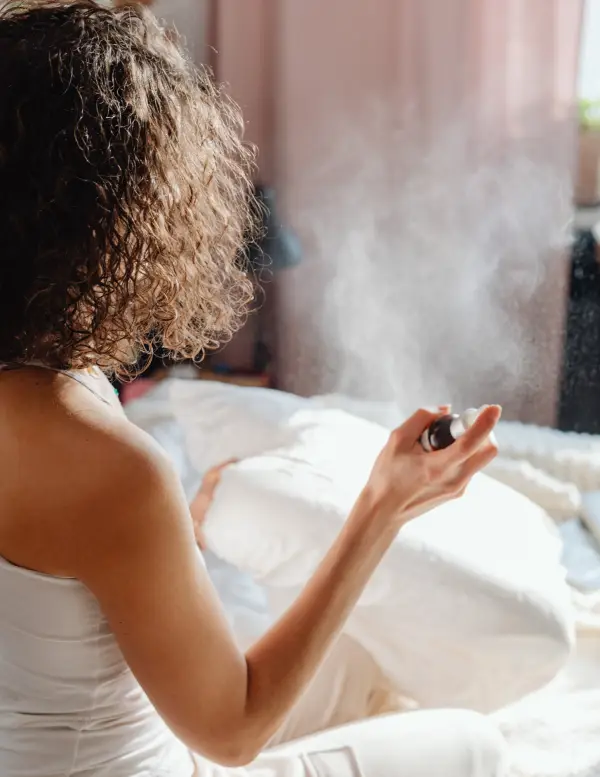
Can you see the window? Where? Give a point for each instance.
(589, 62)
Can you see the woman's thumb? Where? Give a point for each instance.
(412, 429)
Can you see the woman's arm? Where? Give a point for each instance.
(135, 550)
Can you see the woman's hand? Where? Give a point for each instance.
(203, 499)
(407, 482)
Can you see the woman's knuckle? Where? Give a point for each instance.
(429, 473)
(456, 486)
(396, 437)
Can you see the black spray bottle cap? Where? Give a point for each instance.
(447, 429)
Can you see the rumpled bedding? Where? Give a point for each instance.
(555, 731)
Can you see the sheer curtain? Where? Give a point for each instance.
(313, 77)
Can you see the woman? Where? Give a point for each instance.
(124, 203)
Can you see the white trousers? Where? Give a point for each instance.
(431, 743)
(349, 687)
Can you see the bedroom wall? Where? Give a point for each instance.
(297, 68)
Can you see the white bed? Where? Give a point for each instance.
(554, 731)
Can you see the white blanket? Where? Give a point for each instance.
(554, 732)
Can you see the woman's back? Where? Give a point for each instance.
(69, 704)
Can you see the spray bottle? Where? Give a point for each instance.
(447, 429)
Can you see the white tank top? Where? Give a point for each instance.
(69, 705)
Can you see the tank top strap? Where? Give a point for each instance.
(68, 373)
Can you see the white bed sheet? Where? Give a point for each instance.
(554, 732)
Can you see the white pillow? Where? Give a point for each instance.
(153, 412)
(469, 607)
(223, 421)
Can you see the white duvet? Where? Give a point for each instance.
(470, 606)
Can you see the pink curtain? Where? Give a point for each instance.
(311, 74)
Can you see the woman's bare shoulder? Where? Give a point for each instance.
(78, 475)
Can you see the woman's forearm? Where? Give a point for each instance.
(281, 664)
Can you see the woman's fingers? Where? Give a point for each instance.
(486, 454)
(218, 468)
(477, 435)
(213, 475)
(408, 434)
(200, 538)
(204, 497)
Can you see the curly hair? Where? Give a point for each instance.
(125, 196)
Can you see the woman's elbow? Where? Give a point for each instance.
(237, 758)
(232, 749)
(224, 739)
(230, 754)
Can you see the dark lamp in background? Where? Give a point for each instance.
(277, 247)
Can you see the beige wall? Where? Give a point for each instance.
(303, 70)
